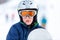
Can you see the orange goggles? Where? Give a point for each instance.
(28, 12)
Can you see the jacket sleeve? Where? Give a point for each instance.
(12, 34)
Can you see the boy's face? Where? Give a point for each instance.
(27, 20)
(27, 16)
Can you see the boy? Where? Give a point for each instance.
(27, 11)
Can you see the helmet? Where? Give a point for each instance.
(27, 4)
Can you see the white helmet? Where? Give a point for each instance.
(27, 4)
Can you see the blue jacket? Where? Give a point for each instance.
(20, 31)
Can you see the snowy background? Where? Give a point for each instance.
(50, 8)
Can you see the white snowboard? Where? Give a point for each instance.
(39, 34)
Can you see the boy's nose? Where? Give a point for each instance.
(27, 16)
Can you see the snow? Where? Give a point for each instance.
(51, 8)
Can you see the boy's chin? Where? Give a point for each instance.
(28, 23)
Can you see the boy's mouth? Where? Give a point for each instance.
(27, 20)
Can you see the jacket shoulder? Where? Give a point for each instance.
(17, 26)
(13, 32)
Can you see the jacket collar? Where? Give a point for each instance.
(24, 25)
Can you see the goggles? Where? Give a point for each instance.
(31, 13)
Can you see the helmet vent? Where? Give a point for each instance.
(23, 2)
(30, 3)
